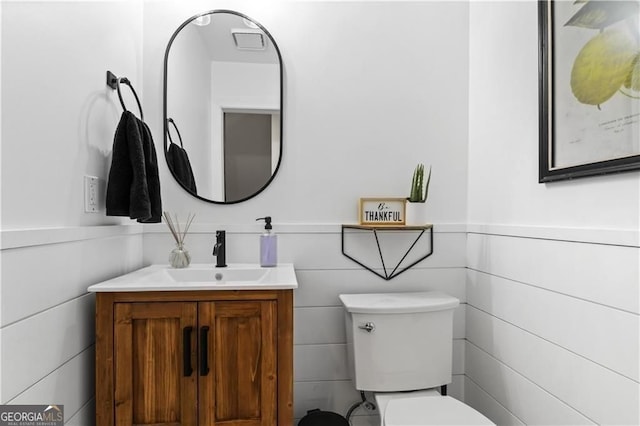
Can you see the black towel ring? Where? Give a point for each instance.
(114, 83)
(170, 120)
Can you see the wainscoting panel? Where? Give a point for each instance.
(71, 385)
(36, 277)
(36, 346)
(86, 416)
(477, 398)
(557, 370)
(523, 398)
(605, 335)
(47, 334)
(552, 326)
(317, 325)
(605, 274)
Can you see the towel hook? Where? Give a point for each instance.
(114, 83)
(170, 120)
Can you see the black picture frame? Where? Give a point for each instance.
(548, 170)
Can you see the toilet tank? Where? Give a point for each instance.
(399, 341)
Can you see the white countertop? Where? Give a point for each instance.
(202, 277)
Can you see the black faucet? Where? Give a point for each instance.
(220, 249)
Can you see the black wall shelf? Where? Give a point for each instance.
(375, 229)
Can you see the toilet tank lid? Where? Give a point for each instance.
(398, 303)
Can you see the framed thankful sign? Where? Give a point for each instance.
(382, 211)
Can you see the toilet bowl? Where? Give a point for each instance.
(422, 408)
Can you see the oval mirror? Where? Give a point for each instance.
(222, 107)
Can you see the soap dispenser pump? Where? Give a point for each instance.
(268, 244)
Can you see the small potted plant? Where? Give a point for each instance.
(415, 210)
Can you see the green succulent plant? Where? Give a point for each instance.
(419, 188)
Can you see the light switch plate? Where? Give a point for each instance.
(91, 194)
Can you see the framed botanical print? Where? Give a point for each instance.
(589, 90)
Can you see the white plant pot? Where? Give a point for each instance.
(416, 214)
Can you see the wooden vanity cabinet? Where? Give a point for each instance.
(194, 358)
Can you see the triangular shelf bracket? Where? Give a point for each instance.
(375, 229)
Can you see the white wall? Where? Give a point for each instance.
(503, 135)
(553, 269)
(359, 112)
(58, 122)
(59, 116)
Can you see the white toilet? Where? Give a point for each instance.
(400, 347)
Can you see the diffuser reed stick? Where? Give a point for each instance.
(179, 257)
(174, 227)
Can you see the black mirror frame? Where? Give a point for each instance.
(165, 126)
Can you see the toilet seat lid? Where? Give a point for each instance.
(431, 410)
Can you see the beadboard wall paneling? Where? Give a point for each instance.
(605, 335)
(320, 362)
(47, 334)
(20, 238)
(71, 385)
(557, 370)
(322, 287)
(476, 397)
(331, 395)
(86, 416)
(552, 324)
(605, 274)
(523, 398)
(609, 236)
(34, 347)
(37, 277)
(317, 325)
(329, 361)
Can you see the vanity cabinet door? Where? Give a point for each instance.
(238, 383)
(154, 350)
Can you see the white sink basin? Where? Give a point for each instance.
(219, 275)
(203, 277)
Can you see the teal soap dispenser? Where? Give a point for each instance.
(268, 244)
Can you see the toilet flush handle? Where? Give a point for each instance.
(369, 327)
